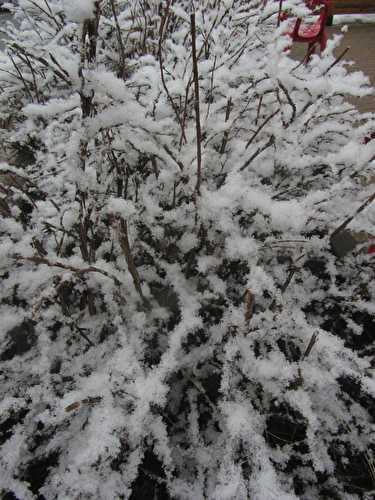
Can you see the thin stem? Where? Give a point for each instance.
(196, 103)
(369, 200)
(269, 143)
(261, 127)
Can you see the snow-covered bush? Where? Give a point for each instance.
(173, 321)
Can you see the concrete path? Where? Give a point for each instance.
(361, 40)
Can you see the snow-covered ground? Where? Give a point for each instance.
(353, 18)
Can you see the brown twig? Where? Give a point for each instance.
(289, 278)
(88, 401)
(67, 267)
(125, 247)
(311, 344)
(261, 127)
(119, 40)
(81, 331)
(337, 60)
(196, 103)
(169, 152)
(185, 111)
(258, 110)
(226, 133)
(342, 226)
(163, 23)
(210, 98)
(55, 61)
(292, 271)
(50, 16)
(291, 103)
(260, 150)
(21, 78)
(249, 300)
(26, 60)
(61, 74)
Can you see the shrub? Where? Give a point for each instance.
(174, 323)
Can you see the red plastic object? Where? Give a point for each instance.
(314, 33)
(371, 249)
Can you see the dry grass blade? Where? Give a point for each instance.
(249, 299)
(88, 402)
(311, 344)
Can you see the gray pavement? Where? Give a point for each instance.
(361, 40)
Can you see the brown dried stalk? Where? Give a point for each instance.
(63, 74)
(258, 110)
(290, 102)
(196, 103)
(337, 60)
(163, 23)
(120, 41)
(249, 299)
(55, 61)
(10, 179)
(260, 150)
(211, 88)
(26, 60)
(169, 152)
(20, 75)
(185, 111)
(67, 267)
(226, 133)
(81, 332)
(369, 200)
(292, 271)
(48, 14)
(311, 344)
(125, 247)
(261, 127)
(88, 401)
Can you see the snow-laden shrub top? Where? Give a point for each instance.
(173, 321)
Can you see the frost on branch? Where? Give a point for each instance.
(174, 323)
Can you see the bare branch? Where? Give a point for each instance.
(125, 246)
(261, 127)
(269, 143)
(67, 267)
(196, 103)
